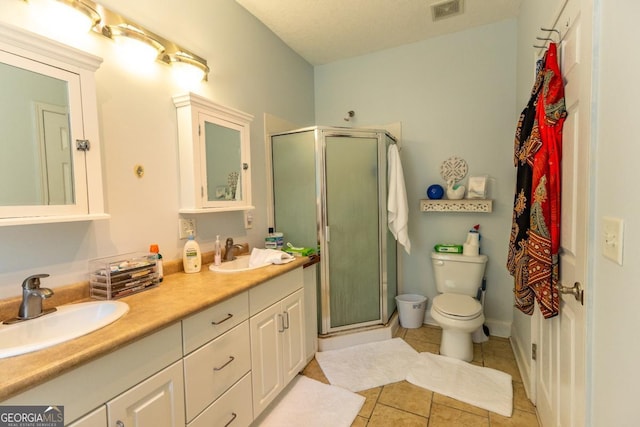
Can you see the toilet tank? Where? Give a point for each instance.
(460, 274)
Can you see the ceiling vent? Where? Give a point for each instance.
(447, 9)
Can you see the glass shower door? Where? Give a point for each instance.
(352, 219)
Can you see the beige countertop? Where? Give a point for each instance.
(176, 298)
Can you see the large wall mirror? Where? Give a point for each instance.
(214, 156)
(47, 111)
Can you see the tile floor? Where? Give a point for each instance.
(404, 404)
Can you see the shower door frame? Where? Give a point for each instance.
(321, 134)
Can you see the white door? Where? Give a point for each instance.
(56, 155)
(560, 366)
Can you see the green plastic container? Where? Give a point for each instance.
(448, 248)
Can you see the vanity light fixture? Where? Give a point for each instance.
(135, 41)
(65, 18)
(141, 45)
(189, 67)
(85, 15)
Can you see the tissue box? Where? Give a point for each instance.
(121, 275)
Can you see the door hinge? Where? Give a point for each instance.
(534, 351)
(83, 145)
(199, 130)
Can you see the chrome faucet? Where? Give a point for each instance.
(32, 296)
(229, 249)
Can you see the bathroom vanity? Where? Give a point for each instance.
(199, 350)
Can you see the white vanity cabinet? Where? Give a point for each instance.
(277, 336)
(157, 401)
(221, 366)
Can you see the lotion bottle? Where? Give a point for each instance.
(191, 256)
(217, 260)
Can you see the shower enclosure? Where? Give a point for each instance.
(330, 193)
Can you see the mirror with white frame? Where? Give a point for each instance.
(50, 170)
(214, 145)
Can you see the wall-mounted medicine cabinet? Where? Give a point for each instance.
(50, 167)
(213, 142)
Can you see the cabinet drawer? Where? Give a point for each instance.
(214, 321)
(232, 409)
(268, 293)
(212, 369)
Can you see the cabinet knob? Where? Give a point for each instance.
(119, 423)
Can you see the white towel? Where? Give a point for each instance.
(260, 257)
(397, 207)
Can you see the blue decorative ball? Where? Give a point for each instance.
(435, 191)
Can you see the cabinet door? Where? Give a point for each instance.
(266, 356)
(155, 402)
(97, 418)
(293, 342)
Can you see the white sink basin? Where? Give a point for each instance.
(239, 264)
(68, 322)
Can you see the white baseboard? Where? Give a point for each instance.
(522, 353)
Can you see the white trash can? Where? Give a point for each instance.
(411, 310)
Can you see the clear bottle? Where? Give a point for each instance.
(155, 250)
(191, 256)
(217, 259)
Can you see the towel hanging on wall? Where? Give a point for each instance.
(397, 206)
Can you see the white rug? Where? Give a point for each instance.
(370, 365)
(310, 403)
(483, 387)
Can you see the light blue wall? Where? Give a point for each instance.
(251, 70)
(615, 291)
(455, 96)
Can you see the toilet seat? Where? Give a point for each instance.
(457, 306)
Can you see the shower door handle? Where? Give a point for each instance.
(327, 233)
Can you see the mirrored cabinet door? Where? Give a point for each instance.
(48, 170)
(214, 156)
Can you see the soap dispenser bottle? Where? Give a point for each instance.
(217, 259)
(191, 256)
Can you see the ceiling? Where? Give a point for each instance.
(324, 31)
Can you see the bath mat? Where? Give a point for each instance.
(310, 403)
(366, 366)
(483, 387)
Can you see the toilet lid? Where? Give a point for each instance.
(457, 305)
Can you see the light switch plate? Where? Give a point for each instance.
(186, 226)
(612, 239)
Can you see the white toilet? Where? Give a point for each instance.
(456, 309)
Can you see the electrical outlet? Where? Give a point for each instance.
(186, 226)
(612, 239)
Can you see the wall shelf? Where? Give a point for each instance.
(462, 205)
